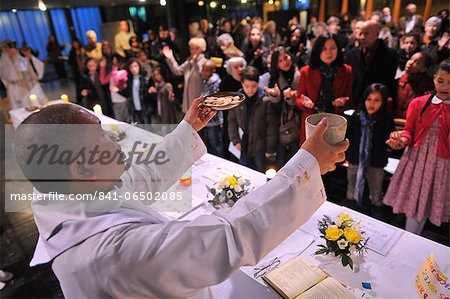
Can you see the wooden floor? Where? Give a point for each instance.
(19, 235)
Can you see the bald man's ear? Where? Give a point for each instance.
(79, 171)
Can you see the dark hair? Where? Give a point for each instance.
(77, 41)
(445, 67)
(163, 72)
(141, 68)
(132, 39)
(314, 59)
(10, 44)
(376, 87)
(302, 39)
(274, 70)
(250, 73)
(89, 59)
(163, 27)
(427, 60)
(413, 34)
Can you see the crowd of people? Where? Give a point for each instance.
(378, 70)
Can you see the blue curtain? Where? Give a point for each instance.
(61, 29)
(36, 30)
(9, 28)
(84, 19)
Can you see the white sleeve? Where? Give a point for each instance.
(176, 69)
(179, 258)
(39, 66)
(181, 148)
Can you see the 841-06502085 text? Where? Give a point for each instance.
(97, 195)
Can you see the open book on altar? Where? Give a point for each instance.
(300, 279)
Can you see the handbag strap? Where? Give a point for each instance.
(290, 114)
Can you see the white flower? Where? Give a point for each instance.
(241, 182)
(237, 188)
(342, 244)
(352, 248)
(229, 194)
(338, 221)
(227, 184)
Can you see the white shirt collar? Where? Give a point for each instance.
(436, 100)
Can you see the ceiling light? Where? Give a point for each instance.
(162, 2)
(142, 1)
(42, 6)
(270, 2)
(14, 10)
(213, 4)
(224, 6)
(200, 3)
(243, 1)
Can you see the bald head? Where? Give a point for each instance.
(411, 8)
(44, 140)
(123, 26)
(369, 33)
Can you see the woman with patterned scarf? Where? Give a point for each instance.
(325, 84)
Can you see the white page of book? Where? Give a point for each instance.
(329, 288)
(296, 277)
(293, 246)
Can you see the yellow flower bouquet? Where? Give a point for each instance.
(343, 238)
(228, 191)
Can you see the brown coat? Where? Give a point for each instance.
(165, 108)
(417, 24)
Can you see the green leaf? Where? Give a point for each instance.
(347, 261)
(320, 251)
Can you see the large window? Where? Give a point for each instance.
(31, 26)
(61, 29)
(9, 27)
(84, 19)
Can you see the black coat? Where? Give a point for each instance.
(259, 62)
(95, 95)
(144, 96)
(382, 70)
(437, 56)
(262, 125)
(382, 128)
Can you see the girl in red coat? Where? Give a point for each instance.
(325, 84)
(420, 187)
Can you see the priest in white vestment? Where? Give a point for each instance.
(130, 251)
(20, 73)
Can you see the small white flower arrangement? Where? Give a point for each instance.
(228, 191)
(117, 134)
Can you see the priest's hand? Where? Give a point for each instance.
(198, 115)
(327, 155)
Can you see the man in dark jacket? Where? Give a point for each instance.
(252, 126)
(373, 62)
